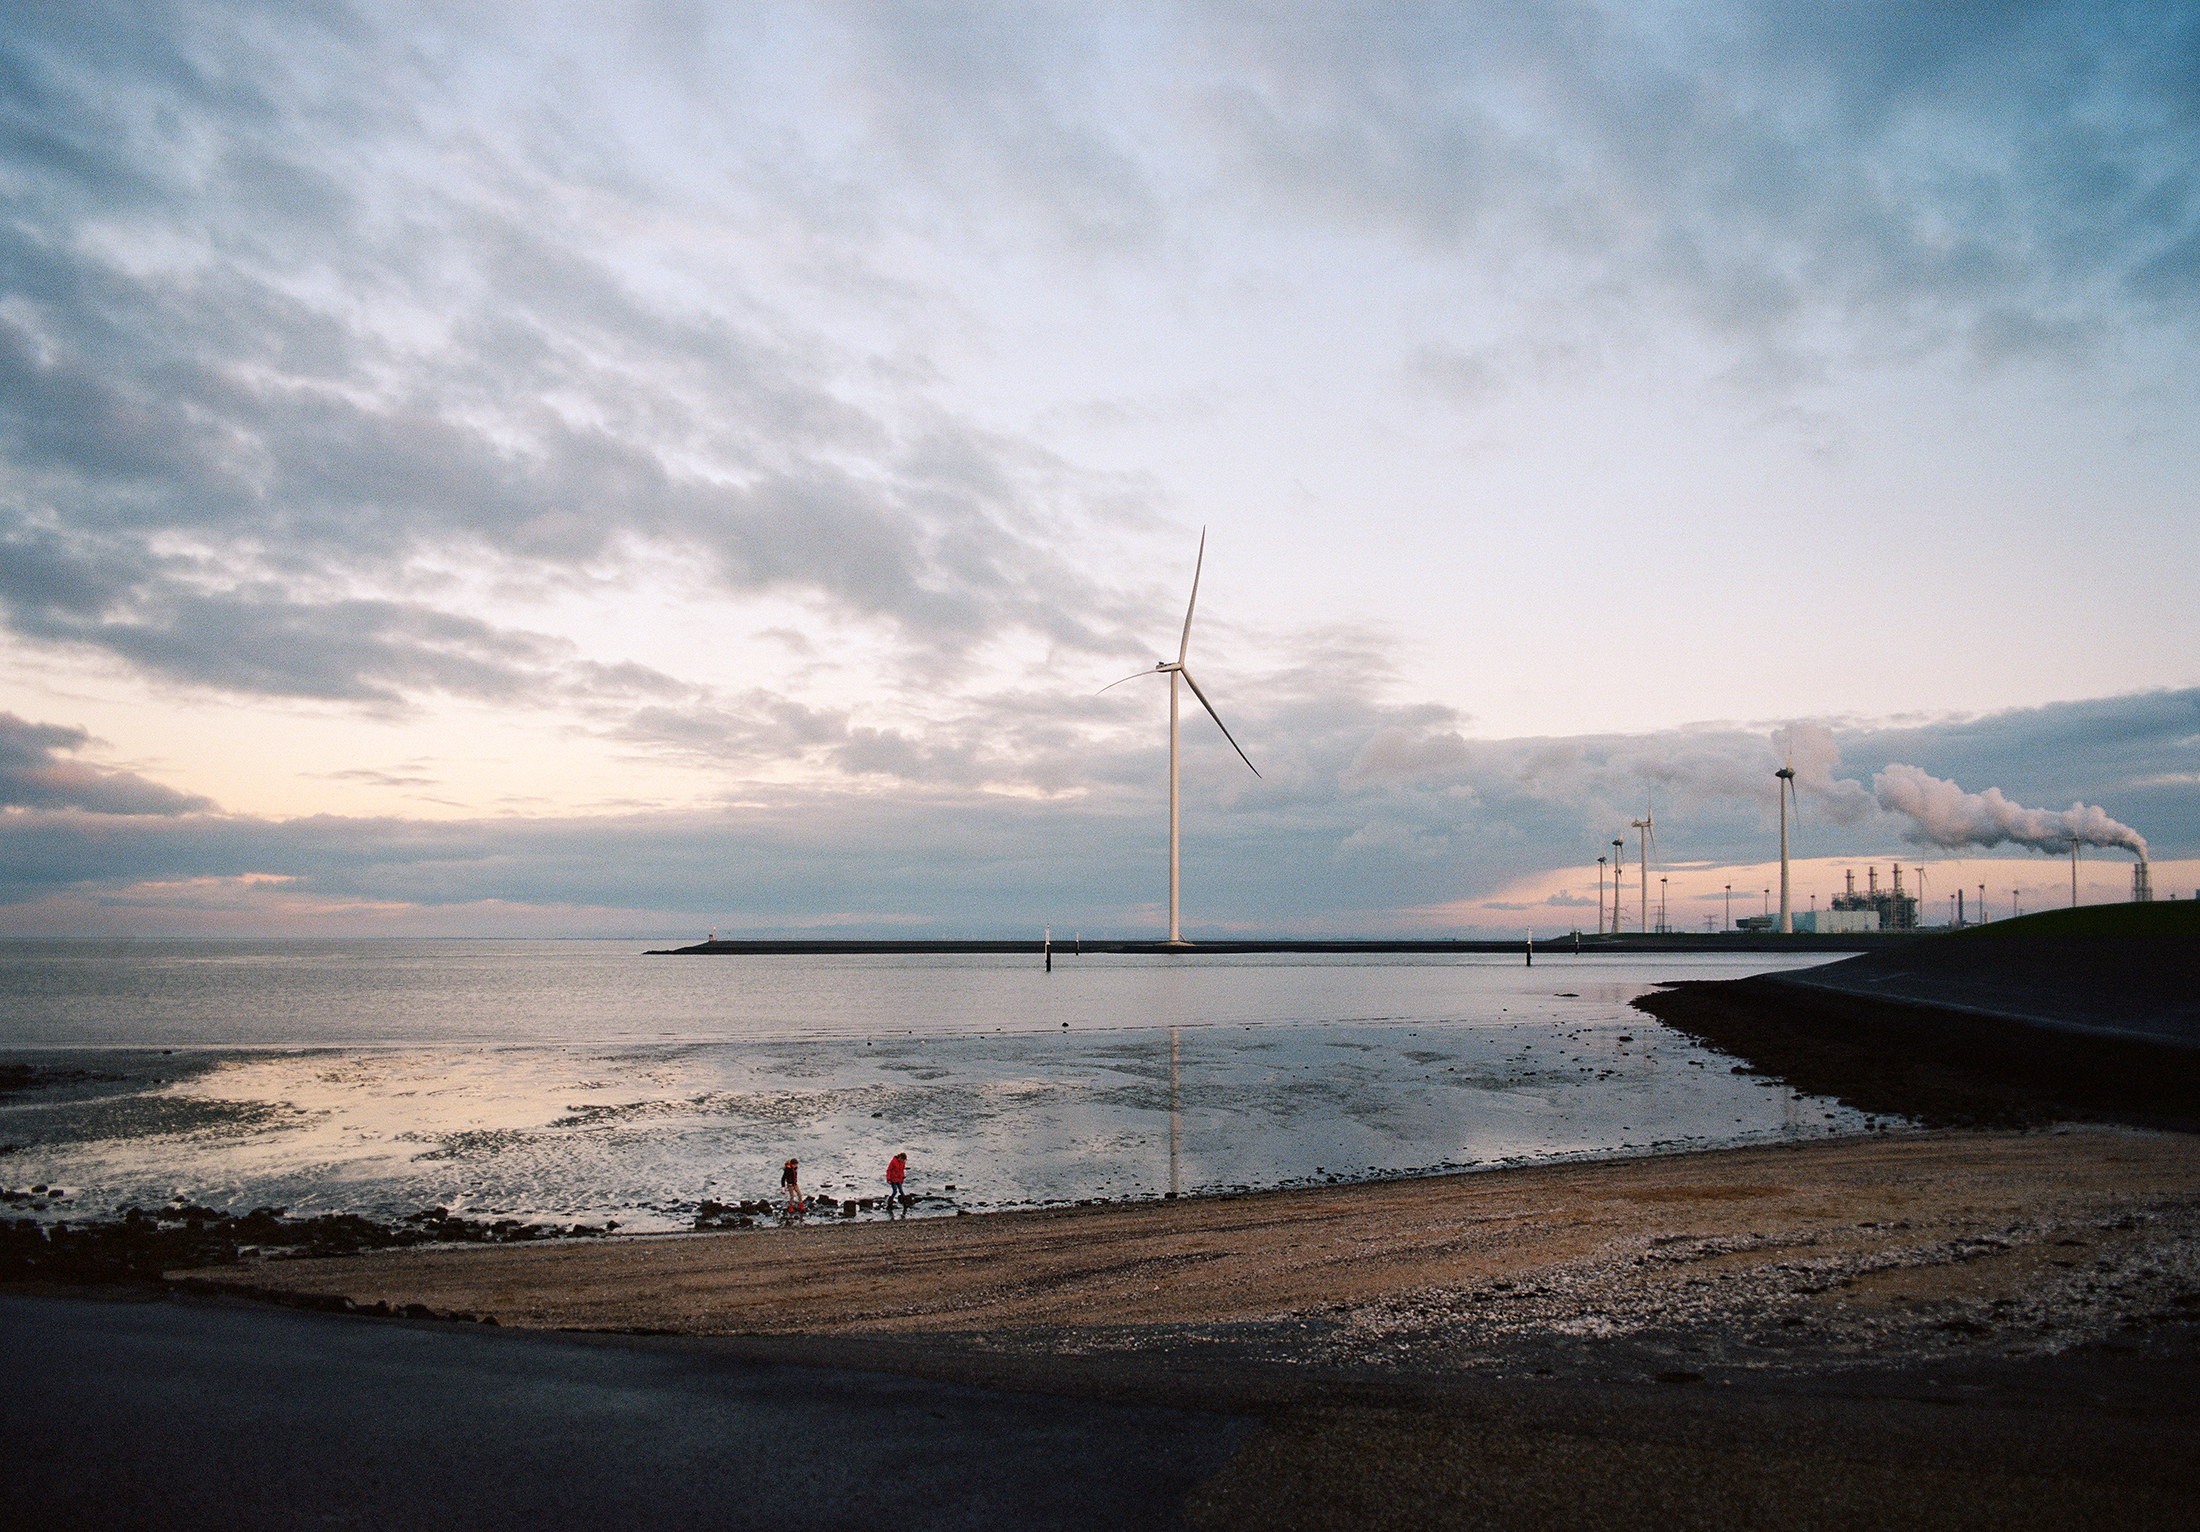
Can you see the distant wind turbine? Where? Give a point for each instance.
(1174, 672)
(1786, 774)
(1648, 825)
(1619, 855)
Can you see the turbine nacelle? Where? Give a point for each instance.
(1177, 667)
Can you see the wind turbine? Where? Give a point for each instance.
(1619, 854)
(1174, 673)
(1649, 827)
(1786, 774)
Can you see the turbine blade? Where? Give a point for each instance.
(1134, 675)
(1795, 798)
(1217, 717)
(1185, 647)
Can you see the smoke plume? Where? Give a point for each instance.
(1946, 815)
(1811, 753)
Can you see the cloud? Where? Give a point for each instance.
(302, 304)
(276, 338)
(2003, 176)
(1813, 752)
(33, 777)
(345, 350)
(902, 833)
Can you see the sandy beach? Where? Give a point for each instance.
(1851, 1249)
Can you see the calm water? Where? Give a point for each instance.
(584, 1081)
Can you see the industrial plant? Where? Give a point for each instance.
(1940, 812)
(1890, 908)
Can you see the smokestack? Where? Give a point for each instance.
(2142, 891)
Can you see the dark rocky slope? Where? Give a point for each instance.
(2075, 1013)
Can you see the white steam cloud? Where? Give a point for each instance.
(1812, 753)
(1946, 815)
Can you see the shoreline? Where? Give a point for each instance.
(136, 1244)
(1815, 1257)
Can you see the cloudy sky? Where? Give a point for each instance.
(632, 468)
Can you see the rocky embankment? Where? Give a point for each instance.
(747, 1215)
(141, 1243)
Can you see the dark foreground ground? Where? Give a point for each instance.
(154, 1414)
(160, 1412)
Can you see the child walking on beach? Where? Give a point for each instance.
(790, 1182)
(897, 1170)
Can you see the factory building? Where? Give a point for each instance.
(1893, 908)
(1837, 922)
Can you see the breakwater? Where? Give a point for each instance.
(1570, 942)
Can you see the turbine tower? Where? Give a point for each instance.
(1176, 672)
(1619, 854)
(1649, 827)
(1786, 774)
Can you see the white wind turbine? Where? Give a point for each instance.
(1648, 825)
(1174, 672)
(1786, 775)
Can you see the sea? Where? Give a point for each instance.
(567, 1082)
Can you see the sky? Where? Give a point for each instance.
(637, 469)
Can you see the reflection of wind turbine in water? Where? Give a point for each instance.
(1174, 673)
(1648, 825)
(1786, 774)
(1176, 1180)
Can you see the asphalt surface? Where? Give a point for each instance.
(191, 1414)
(179, 1416)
